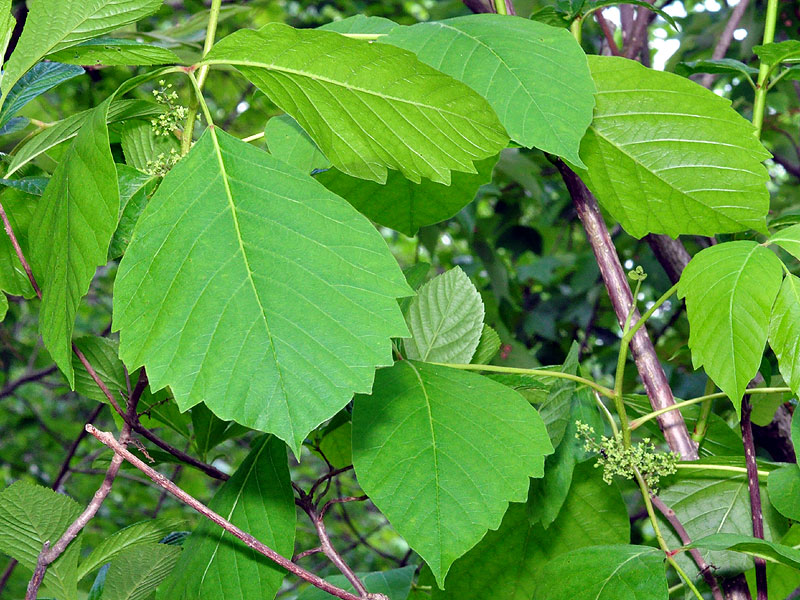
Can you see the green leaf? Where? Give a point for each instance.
(460, 446)
(71, 231)
(40, 79)
(112, 52)
(616, 572)
(361, 24)
(136, 572)
(596, 4)
(665, 155)
(728, 66)
(784, 331)
(770, 551)
(406, 206)
(710, 501)
(258, 498)
(68, 128)
(142, 147)
(488, 346)
(777, 52)
(102, 354)
(337, 445)
(96, 591)
(209, 431)
(135, 188)
(31, 515)
(19, 208)
(287, 141)
(3, 306)
(783, 486)
(415, 276)
(52, 26)
(134, 536)
(30, 185)
(368, 107)
(795, 430)
(7, 24)
(395, 583)
(556, 407)
(272, 276)
(788, 239)
(506, 560)
(782, 580)
(534, 76)
(729, 290)
(445, 320)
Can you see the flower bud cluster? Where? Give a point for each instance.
(174, 114)
(161, 164)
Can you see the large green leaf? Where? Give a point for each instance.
(40, 79)
(506, 560)
(134, 189)
(287, 141)
(746, 544)
(279, 299)
(7, 23)
(31, 515)
(783, 486)
(68, 128)
(395, 583)
(142, 147)
(613, 572)
(112, 52)
(136, 572)
(729, 290)
(665, 155)
(460, 446)
(445, 320)
(368, 107)
(361, 24)
(788, 239)
(54, 25)
(535, 76)
(71, 231)
(406, 206)
(258, 498)
(784, 331)
(19, 208)
(709, 501)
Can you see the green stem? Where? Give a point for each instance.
(575, 28)
(685, 577)
(500, 7)
(608, 415)
(728, 468)
(200, 100)
(608, 393)
(638, 325)
(701, 426)
(678, 405)
(764, 70)
(367, 36)
(202, 73)
(619, 376)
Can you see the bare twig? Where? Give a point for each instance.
(755, 495)
(28, 377)
(705, 569)
(724, 42)
(644, 354)
(342, 500)
(606, 27)
(163, 482)
(638, 31)
(305, 553)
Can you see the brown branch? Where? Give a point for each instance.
(609, 35)
(305, 553)
(335, 557)
(638, 31)
(642, 350)
(163, 482)
(724, 42)
(755, 495)
(342, 500)
(705, 569)
(29, 377)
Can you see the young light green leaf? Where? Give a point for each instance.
(71, 231)
(406, 206)
(143, 149)
(771, 551)
(136, 572)
(788, 239)
(618, 572)
(258, 498)
(266, 267)
(135, 188)
(142, 533)
(777, 52)
(445, 320)
(460, 445)
(506, 560)
(488, 346)
(287, 141)
(68, 128)
(729, 290)
(52, 26)
(394, 583)
(665, 155)
(112, 52)
(721, 65)
(361, 24)
(7, 23)
(783, 486)
(3, 306)
(784, 331)
(19, 208)
(40, 79)
(368, 107)
(535, 76)
(31, 515)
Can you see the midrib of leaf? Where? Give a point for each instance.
(724, 518)
(435, 460)
(354, 88)
(614, 572)
(438, 329)
(235, 504)
(235, 216)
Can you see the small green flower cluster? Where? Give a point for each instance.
(174, 115)
(616, 459)
(161, 164)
